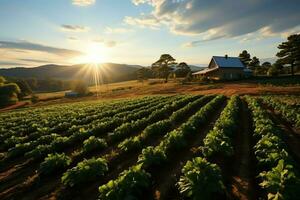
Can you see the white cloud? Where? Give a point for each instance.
(110, 30)
(106, 42)
(74, 28)
(83, 2)
(145, 21)
(222, 18)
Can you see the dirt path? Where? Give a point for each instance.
(167, 176)
(243, 170)
(15, 106)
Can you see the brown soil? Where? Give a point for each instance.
(46, 186)
(290, 135)
(172, 87)
(243, 170)
(165, 177)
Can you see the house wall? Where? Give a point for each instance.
(212, 64)
(224, 74)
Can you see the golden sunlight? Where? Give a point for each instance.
(93, 54)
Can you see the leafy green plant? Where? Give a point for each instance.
(53, 163)
(85, 171)
(93, 143)
(131, 184)
(200, 180)
(280, 182)
(151, 156)
(130, 144)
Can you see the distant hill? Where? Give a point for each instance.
(110, 72)
(195, 68)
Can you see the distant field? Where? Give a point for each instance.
(132, 89)
(147, 148)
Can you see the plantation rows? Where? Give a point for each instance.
(168, 147)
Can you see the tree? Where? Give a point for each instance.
(163, 66)
(263, 69)
(254, 63)
(9, 94)
(24, 87)
(144, 74)
(80, 87)
(266, 65)
(245, 57)
(289, 53)
(182, 69)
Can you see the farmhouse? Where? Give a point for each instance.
(224, 68)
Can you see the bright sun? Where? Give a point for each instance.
(94, 54)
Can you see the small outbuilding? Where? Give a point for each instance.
(71, 94)
(224, 68)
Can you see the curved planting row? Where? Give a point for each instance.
(150, 129)
(219, 140)
(278, 176)
(135, 181)
(55, 143)
(66, 121)
(202, 179)
(288, 112)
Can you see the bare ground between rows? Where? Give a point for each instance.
(9, 165)
(165, 177)
(290, 137)
(91, 192)
(243, 169)
(13, 178)
(55, 182)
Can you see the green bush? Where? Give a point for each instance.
(280, 182)
(85, 171)
(53, 163)
(93, 143)
(200, 180)
(151, 156)
(131, 184)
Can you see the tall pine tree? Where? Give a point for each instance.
(245, 58)
(289, 53)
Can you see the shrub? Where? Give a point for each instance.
(151, 156)
(85, 171)
(93, 143)
(200, 179)
(54, 162)
(280, 182)
(131, 184)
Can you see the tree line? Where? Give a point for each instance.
(165, 67)
(288, 61)
(14, 89)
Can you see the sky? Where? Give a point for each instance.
(38, 32)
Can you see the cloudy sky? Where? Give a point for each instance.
(37, 32)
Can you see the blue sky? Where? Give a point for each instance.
(36, 32)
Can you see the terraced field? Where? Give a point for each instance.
(156, 147)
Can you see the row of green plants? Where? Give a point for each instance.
(133, 183)
(160, 127)
(200, 178)
(94, 143)
(71, 125)
(177, 138)
(288, 112)
(52, 116)
(37, 150)
(218, 141)
(278, 176)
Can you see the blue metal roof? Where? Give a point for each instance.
(230, 62)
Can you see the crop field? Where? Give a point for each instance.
(154, 147)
